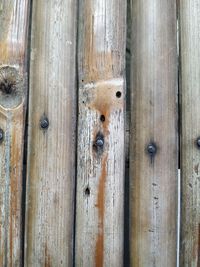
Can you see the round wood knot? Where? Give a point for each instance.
(11, 87)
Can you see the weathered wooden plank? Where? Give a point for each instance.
(51, 148)
(101, 150)
(153, 157)
(190, 132)
(13, 89)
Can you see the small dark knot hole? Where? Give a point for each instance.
(102, 118)
(87, 191)
(118, 94)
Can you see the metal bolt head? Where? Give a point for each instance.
(44, 123)
(152, 149)
(198, 142)
(99, 142)
(1, 135)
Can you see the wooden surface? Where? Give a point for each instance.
(100, 169)
(190, 131)
(13, 74)
(51, 152)
(153, 179)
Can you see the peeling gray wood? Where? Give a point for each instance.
(153, 176)
(51, 152)
(13, 89)
(101, 140)
(190, 132)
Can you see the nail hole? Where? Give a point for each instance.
(87, 191)
(102, 118)
(118, 94)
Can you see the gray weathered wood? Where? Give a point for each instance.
(153, 179)
(100, 173)
(51, 152)
(13, 73)
(190, 131)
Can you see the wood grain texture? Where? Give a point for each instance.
(100, 169)
(153, 179)
(190, 131)
(13, 89)
(51, 152)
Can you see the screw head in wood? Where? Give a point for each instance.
(99, 142)
(44, 123)
(1, 135)
(151, 149)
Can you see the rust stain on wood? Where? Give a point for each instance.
(47, 262)
(99, 251)
(105, 101)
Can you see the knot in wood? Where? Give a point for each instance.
(11, 87)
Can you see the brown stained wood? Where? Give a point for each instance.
(101, 133)
(13, 90)
(51, 151)
(190, 131)
(153, 178)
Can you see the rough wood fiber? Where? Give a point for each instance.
(190, 122)
(13, 73)
(100, 174)
(51, 152)
(153, 179)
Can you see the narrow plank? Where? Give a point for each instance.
(153, 156)
(13, 90)
(101, 149)
(190, 132)
(51, 140)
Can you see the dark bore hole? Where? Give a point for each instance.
(102, 118)
(87, 191)
(118, 94)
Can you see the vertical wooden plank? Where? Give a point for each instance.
(153, 157)
(100, 174)
(51, 142)
(190, 132)
(13, 89)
